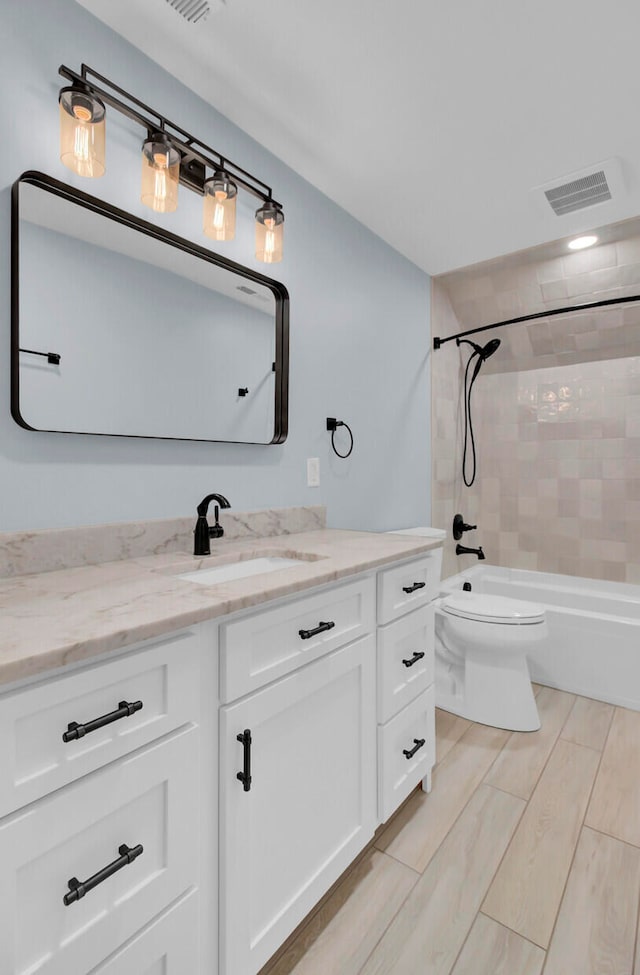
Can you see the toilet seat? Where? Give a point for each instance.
(485, 608)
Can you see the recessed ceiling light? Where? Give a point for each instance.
(580, 242)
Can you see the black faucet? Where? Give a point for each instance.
(202, 532)
(463, 550)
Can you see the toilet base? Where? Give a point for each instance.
(494, 692)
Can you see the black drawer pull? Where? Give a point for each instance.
(78, 889)
(417, 745)
(125, 710)
(418, 655)
(245, 775)
(320, 628)
(416, 585)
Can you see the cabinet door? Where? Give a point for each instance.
(311, 806)
(148, 800)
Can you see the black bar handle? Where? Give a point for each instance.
(53, 358)
(78, 889)
(125, 710)
(416, 585)
(320, 628)
(417, 745)
(418, 655)
(245, 775)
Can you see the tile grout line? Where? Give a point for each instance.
(400, 862)
(611, 836)
(570, 741)
(392, 919)
(513, 931)
(582, 826)
(493, 875)
(542, 770)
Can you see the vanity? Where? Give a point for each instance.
(188, 765)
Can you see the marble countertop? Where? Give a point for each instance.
(51, 619)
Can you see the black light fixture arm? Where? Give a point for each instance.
(439, 342)
(196, 156)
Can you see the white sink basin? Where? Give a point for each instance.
(239, 570)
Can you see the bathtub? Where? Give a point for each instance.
(593, 647)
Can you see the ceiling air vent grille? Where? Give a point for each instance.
(579, 193)
(191, 10)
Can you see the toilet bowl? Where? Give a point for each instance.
(481, 664)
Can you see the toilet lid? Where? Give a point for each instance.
(492, 609)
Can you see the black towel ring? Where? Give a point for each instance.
(332, 425)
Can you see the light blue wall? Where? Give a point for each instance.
(360, 332)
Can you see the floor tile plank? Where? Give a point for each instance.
(429, 931)
(615, 803)
(492, 949)
(526, 892)
(518, 768)
(596, 928)
(421, 825)
(589, 723)
(342, 934)
(449, 729)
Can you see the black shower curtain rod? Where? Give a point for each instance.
(438, 342)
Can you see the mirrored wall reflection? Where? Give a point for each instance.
(152, 340)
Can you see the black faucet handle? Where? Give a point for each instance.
(460, 526)
(216, 531)
(220, 499)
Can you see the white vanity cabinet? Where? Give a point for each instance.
(101, 814)
(405, 691)
(251, 759)
(309, 807)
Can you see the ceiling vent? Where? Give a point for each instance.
(191, 10)
(577, 191)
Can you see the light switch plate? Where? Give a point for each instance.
(313, 472)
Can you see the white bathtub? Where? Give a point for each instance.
(593, 648)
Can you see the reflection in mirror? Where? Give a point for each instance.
(156, 337)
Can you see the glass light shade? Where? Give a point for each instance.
(82, 132)
(219, 208)
(160, 174)
(269, 232)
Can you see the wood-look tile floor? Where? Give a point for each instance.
(523, 860)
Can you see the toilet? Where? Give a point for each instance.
(481, 664)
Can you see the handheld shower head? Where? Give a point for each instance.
(489, 349)
(482, 351)
(480, 354)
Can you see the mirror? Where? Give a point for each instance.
(124, 329)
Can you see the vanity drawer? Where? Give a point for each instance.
(148, 799)
(258, 649)
(167, 946)
(405, 660)
(408, 586)
(397, 774)
(34, 759)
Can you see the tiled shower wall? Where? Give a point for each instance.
(558, 485)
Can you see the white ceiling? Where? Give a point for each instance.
(428, 120)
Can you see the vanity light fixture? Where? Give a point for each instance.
(160, 174)
(82, 131)
(170, 157)
(269, 232)
(219, 209)
(579, 243)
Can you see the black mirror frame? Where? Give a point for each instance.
(280, 293)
